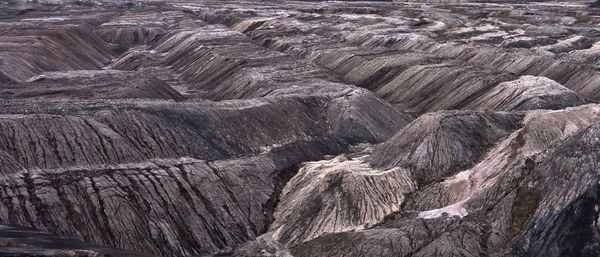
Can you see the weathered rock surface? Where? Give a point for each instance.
(338, 195)
(527, 93)
(436, 145)
(296, 128)
(480, 210)
(90, 84)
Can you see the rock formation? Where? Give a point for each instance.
(299, 128)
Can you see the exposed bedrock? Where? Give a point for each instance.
(350, 120)
(370, 49)
(356, 192)
(140, 27)
(90, 84)
(541, 130)
(264, 245)
(130, 166)
(164, 207)
(338, 195)
(158, 206)
(493, 207)
(371, 128)
(173, 178)
(565, 220)
(437, 145)
(527, 93)
(130, 135)
(31, 50)
(219, 64)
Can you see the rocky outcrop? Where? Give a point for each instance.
(372, 49)
(163, 207)
(91, 84)
(59, 48)
(436, 145)
(187, 128)
(338, 195)
(84, 161)
(481, 209)
(565, 220)
(527, 93)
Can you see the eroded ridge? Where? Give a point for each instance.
(297, 128)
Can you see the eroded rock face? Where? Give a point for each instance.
(486, 206)
(565, 214)
(338, 195)
(251, 128)
(91, 84)
(528, 93)
(435, 146)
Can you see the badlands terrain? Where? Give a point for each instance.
(291, 128)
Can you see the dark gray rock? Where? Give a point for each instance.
(564, 222)
(435, 146)
(266, 128)
(90, 84)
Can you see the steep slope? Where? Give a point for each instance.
(253, 128)
(527, 93)
(172, 174)
(25, 55)
(481, 209)
(337, 195)
(436, 145)
(367, 45)
(90, 84)
(347, 194)
(137, 146)
(565, 220)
